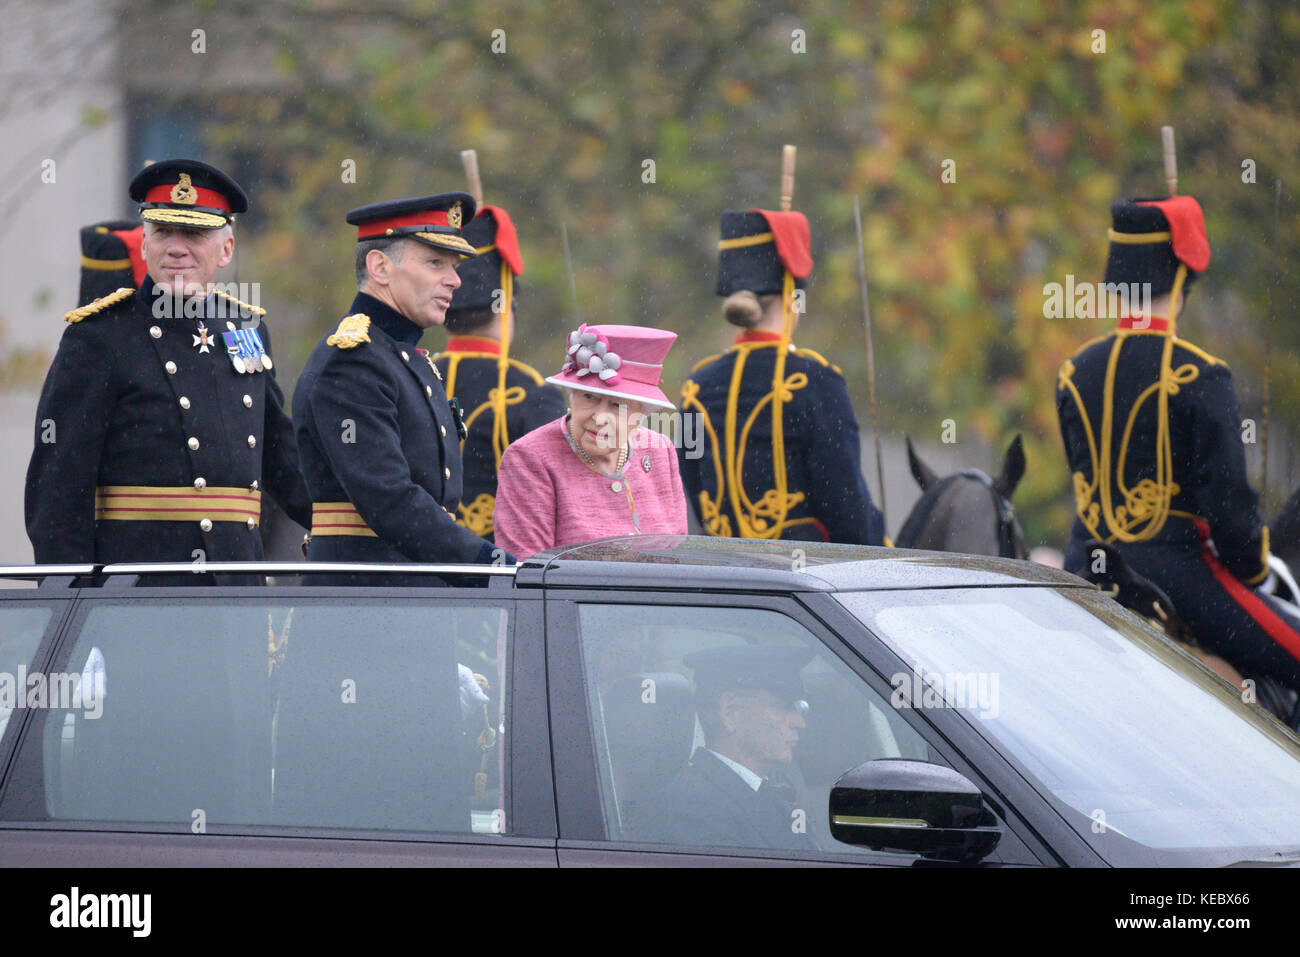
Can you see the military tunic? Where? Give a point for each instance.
(828, 499)
(1194, 530)
(377, 437)
(470, 374)
(131, 406)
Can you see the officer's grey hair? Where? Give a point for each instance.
(223, 232)
(394, 248)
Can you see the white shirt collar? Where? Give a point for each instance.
(746, 775)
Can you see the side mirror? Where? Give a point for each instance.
(894, 804)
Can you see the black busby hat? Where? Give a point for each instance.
(433, 220)
(758, 246)
(110, 259)
(1149, 238)
(492, 234)
(185, 192)
(774, 668)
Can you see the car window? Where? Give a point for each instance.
(21, 628)
(357, 716)
(725, 726)
(1148, 755)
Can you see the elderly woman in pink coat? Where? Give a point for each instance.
(597, 472)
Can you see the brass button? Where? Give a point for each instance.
(446, 473)
(155, 332)
(206, 524)
(428, 390)
(442, 429)
(248, 402)
(185, 402)
(193, 443)
(170, 367)
(252, 524)
(252, 441)
(406, 356)
(200, 483)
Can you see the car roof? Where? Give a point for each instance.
(705, 562)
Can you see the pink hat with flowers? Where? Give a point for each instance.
(626, 362)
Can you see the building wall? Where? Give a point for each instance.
(61, 103)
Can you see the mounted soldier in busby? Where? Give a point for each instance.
(1152, 433)
(781, 455)
(502, 398)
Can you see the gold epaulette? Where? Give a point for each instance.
(98, 305)
(1198, 351)
(255, 310)
(703, 362)
(352, 331)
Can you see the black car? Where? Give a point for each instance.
(651, 700)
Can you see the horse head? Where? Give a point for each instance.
(967, 511)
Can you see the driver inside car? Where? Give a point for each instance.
(735, 791)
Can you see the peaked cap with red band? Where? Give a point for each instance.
(110, 258)
(758, 246)
(492, 234)
(433, 220)
(1149, 238)
(185, 192)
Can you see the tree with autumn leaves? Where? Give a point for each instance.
(986, 143)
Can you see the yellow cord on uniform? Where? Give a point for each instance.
(500, 435)
(778, 399)
(1148, 506)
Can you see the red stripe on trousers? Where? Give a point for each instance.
(1254, 606)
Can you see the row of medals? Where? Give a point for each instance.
(203, 339)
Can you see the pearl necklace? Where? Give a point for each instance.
(622, 461)
(623, 455)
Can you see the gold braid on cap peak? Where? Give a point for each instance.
(184, 217)
(98, 305)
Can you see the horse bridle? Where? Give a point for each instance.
(1006, 513)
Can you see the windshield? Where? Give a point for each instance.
(1151, 758)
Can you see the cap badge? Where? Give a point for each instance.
(454, 216)
(184, 192)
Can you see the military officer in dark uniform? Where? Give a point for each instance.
(502, 398)
(161, 423)
(777, 462)
(749, 700)
(1152, 433)
(379, 441)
